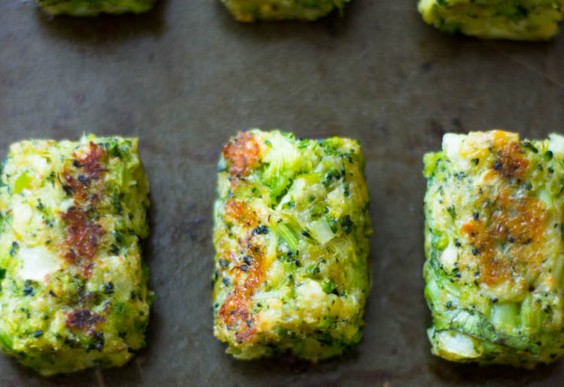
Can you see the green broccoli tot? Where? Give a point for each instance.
(73, 290)
(497, 19)
(494, 246)
(291, 235)
(253, 10)
(94, 7)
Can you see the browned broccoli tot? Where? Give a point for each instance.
(291, 236)
(94, 7)
(495, 19)
(495, 248)
(73, 285)
(253, 10)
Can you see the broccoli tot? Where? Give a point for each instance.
(494, 248)
(73, 290)
(253, 10)
(291, 237)
(497, 19)
(94, 7)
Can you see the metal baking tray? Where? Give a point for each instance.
(186, 76)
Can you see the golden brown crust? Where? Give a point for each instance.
(239, 212)
(510, 162)
(241, 154)
(82, 233)
(82, 236)
(90, 161)
(516, 223)
(235, 310)
(246, 276)
(83, 320)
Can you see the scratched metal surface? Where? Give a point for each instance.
(186, 76)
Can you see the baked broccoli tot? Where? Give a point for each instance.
(494, 243)
(292, 237)
(73, 290)
(497, 19)
(94, 7)
(308, 10)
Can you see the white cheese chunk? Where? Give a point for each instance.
(449, 256)
(37, 262)
(452, 145)
(556, 144)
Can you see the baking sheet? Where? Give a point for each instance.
(185, 77)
